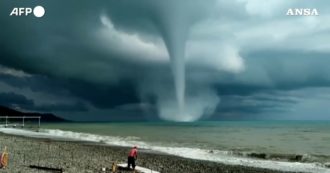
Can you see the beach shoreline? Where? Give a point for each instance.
(75, 156)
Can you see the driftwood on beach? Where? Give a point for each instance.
(57, 170)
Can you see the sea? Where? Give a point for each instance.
(282, 145)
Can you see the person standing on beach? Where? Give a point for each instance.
(132, 156)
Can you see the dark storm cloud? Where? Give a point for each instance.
(78, 106)
(104, 96)
(100, 96)
(62, 44)
(20, 102)
(291, 69)
(12, 100)
(254, 106)
(18, 80)
(110, 57)
(277, 70)
(282, 72)
(35, 83)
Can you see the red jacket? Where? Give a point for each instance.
(133, 153)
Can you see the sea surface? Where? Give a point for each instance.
(291, 145)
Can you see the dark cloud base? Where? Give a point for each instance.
(93, 80)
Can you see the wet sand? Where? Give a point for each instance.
(85, 157)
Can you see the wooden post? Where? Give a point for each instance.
(6, 121)
(39, 122)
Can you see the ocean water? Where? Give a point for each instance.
(230, 142)
(294, 137)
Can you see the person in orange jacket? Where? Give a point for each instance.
(132, 156)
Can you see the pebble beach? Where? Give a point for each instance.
(84, 157)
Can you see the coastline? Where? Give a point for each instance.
(74, 156)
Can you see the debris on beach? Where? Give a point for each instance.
(58, 170)
(139, 169)
(4, 157)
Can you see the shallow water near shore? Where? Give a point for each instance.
(227, 142)
(295, 137)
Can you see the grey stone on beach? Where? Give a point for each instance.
(327, 165)
(84, 157)
(258, 155)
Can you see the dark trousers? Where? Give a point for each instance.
(131, 161)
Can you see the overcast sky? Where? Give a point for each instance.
(109, 59)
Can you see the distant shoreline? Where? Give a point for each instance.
(74, 156)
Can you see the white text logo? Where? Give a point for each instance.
(302, 12)
(38, 11)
